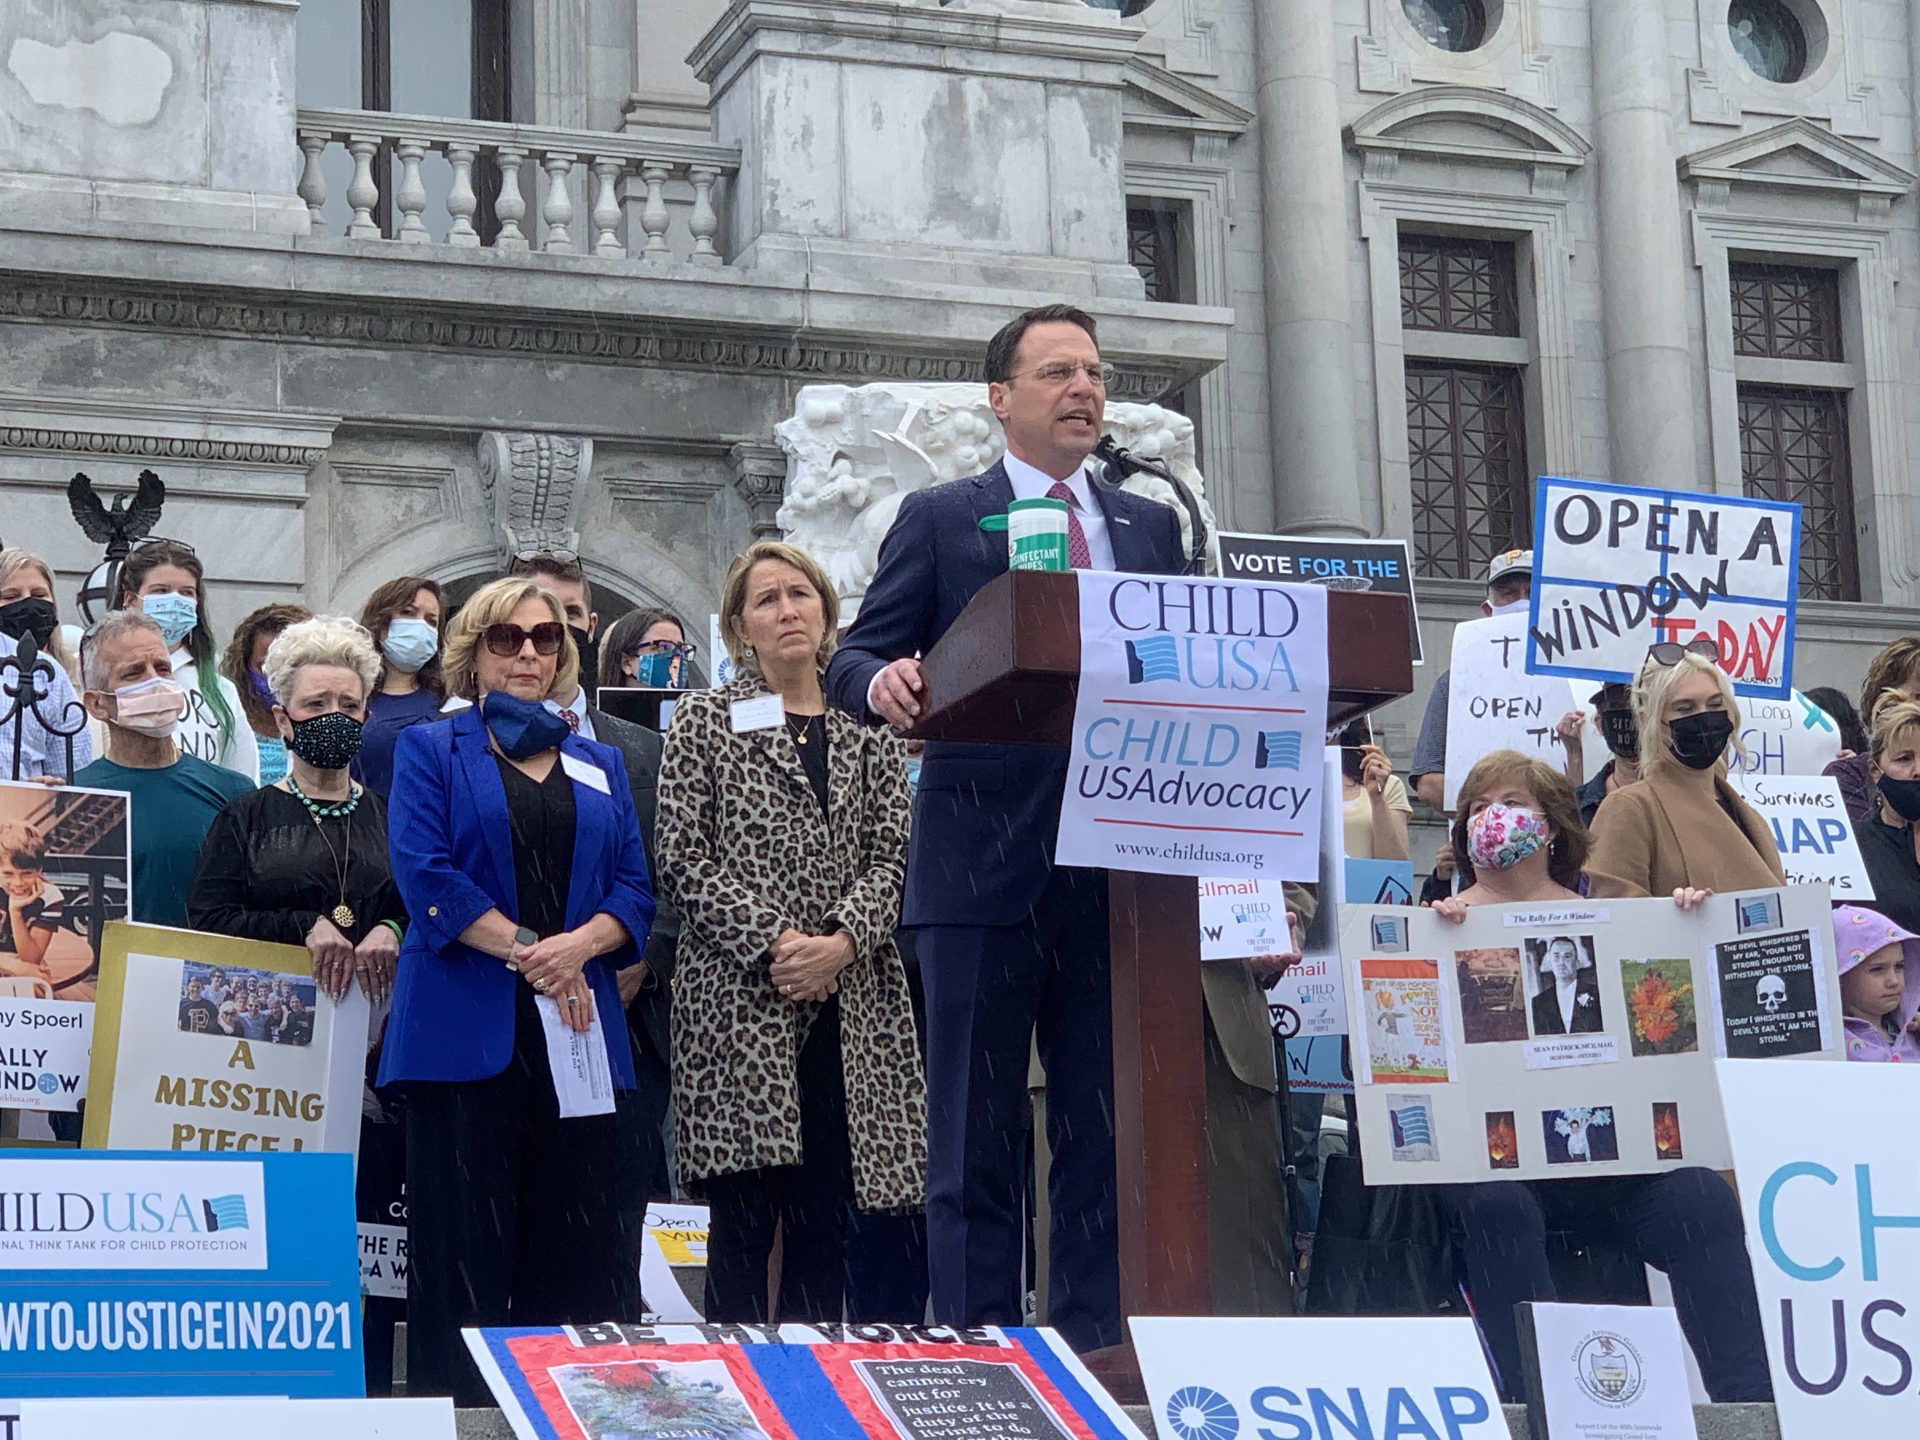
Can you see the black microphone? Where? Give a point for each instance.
(1117, 463)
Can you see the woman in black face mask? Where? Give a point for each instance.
(1683, 830)
(28, 607)
(304, 861)
(1889, 835)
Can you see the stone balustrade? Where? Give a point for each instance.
(584, 192)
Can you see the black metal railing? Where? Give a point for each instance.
(26, 689)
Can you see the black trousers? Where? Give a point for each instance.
(836, 1263)
(515, 1216)
(1685, 1222)
(989, 990)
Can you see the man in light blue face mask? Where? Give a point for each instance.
(1509, 589)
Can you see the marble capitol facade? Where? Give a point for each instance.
(405, 285)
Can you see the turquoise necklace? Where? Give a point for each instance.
(322, 811)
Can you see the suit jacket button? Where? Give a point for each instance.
(433, 909)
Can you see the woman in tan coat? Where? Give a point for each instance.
(796, 1074)
(1683, 827)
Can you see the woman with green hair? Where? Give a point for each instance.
(164, 578)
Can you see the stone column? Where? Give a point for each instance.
(1316, 468)
(1643, 282)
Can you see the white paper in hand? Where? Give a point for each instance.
(581, 1077)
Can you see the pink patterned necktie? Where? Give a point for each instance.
(573, 720)
(1078, 556)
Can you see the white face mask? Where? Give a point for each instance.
(149, 707)
(1512, 607)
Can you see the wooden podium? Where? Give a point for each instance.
(1007, 672)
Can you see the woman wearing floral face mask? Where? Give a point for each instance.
(1517, 836)
(1683, 830)
(1518, 840)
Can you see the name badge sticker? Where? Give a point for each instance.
(761, 712)
(584, 772)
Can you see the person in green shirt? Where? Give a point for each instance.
(173, 797)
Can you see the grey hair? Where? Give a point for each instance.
(113, 625)
(323, 640)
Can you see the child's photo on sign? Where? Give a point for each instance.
(64, 865)
(1579, 1135)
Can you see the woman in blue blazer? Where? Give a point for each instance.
(516, 848)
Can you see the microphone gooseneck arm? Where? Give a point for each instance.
(1116, 464)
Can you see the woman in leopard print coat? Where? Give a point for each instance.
(786, 865)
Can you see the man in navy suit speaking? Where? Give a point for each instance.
(1008, 941)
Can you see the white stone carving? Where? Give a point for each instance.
(853, 452)
(121, 78)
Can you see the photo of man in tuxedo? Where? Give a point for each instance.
(1011, 946)
(1567, 994)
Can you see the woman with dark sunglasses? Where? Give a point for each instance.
(518, 851)
(1683, 828)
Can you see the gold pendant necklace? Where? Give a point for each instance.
(341, 914)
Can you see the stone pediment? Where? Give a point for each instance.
(1158, 99)
(1462, 123)
(1799, 155)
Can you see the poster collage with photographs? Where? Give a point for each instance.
(1533, 1042)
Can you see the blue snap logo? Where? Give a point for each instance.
(1197, 1413)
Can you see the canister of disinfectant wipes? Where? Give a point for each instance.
(1037, 535)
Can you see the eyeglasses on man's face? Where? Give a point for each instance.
(1060, 372)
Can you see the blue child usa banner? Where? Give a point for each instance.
(135, 1274)
(1199, 728)
(1618, 568)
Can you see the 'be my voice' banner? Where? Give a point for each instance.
(1199, 728)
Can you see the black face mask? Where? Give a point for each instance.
(1700, 740)
(1903, 796)
(589, 649)
(31, 616)
(1620, 733)
(326, 742)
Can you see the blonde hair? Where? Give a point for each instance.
(323, 640)
(1893, 715)
(1650, 691)
(733, 598)
(492, 604)
(15, 557)
(23, 844)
